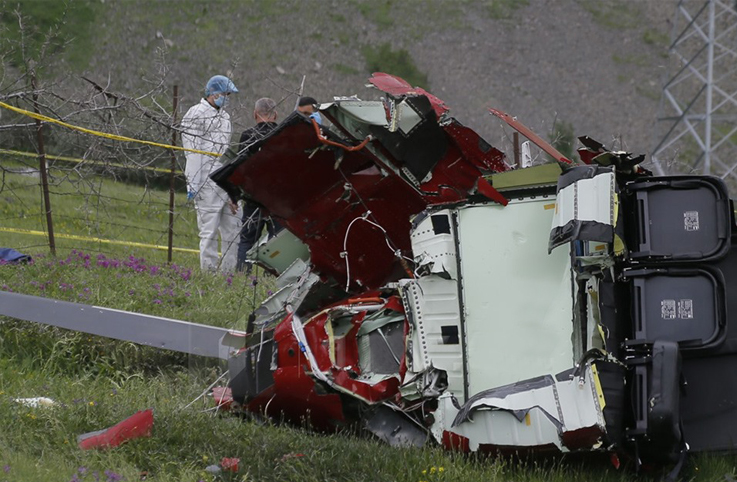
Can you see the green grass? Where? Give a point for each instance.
(378, 12)
(654, 37)
(563, 138)
(383, 58)
(344, 69)
(503, 9)
(40, 443)
(93, 208)
(615, 14)
(635, 60)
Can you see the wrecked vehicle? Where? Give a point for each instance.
(431, 292)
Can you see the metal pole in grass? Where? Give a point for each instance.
(42, 168)
(171, 176)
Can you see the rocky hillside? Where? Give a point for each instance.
(595, 66)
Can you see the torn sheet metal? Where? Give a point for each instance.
(430, 309)
(353, 238)
(433, 245)
(562, 160)
(535, 413)
(435, 339)
(352, 207)
(585, 206)
(398, 87)
(137, 425)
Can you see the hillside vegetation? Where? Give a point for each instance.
(596, 65)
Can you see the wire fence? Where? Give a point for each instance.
(84, 165)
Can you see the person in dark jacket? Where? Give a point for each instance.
(265, 115)
(308, 106)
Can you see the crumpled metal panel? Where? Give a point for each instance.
(536, 414)
(295, 177)
(433, 245)
(432, 303)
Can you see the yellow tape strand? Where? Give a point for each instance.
(101, 134)
(79, 161)
(98, 240)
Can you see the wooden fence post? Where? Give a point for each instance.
(42, 169)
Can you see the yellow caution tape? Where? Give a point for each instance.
(97, 240)
(79, 161)
(101, 134)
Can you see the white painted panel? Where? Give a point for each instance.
(433, 303)
(437, 250)
(566, 406)
(517, 298)
(586, 200)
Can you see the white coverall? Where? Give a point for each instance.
(206, 128)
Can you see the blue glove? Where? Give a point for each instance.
(190, 195)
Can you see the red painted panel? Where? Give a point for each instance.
(453, 441)
(397, 87)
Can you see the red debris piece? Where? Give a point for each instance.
(223, 397)
(137, 425)
(291, 456)
(615, 460)
(230, 463)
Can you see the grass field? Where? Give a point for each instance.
(96, 383)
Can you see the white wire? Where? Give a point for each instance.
(344, 254)
(260, 345)
(206, 390)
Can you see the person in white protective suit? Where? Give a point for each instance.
(206, 127)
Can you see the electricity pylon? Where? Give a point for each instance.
(697, 118)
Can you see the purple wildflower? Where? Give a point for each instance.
(269, 292)
(6, 469)
(112, 476)
(131, 292)
(82, 470)
(157, 301)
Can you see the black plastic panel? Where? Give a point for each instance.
(679, 219)
(682, 305)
